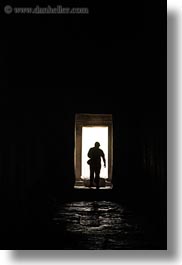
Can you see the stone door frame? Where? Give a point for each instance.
(91, 120)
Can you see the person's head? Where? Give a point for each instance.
(97, 144)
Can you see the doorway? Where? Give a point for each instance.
(91, 128)
(90, 135)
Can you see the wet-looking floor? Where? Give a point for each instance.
(103, 225)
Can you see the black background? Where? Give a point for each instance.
(112, 60)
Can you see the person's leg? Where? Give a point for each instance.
(91, 175)
(97, 175)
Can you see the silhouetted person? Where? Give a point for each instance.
(95, 154)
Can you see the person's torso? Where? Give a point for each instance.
(96, 154)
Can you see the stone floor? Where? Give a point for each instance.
(104, 225)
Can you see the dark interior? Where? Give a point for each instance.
(56, 67)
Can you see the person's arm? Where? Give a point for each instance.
(89, 153)
(104, 159)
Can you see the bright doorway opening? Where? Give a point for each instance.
(91, 128)
(90, 135)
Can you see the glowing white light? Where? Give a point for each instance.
(90, 135)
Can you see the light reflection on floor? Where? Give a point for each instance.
(100, 225)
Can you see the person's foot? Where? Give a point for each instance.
(91, 184)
